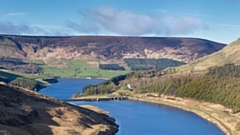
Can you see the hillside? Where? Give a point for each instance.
(106, 47)
(25, 112)
(9, 48)
(215, 94)
(82, 56)
(229, 54)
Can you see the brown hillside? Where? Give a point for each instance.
(25, 112)
(109, 47)
(229, 54)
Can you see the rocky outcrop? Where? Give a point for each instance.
(25, 112)
(108, 47)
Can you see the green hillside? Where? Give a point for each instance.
(29, 81)
(92, 56)
(214, 78)
(78, 68)
(219, 85)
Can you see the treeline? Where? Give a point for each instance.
(103, 88)
(223, 90)
(147, 74)
(20, 81)
(226, 70)
(17, 65)
(114, 83)
(146, 64)
(26, 83)
(111, 67)
(220, 85)
(100, 89)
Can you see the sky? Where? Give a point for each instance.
(216, 20)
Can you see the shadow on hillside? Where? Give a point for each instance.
(10, 76)
(24, 113)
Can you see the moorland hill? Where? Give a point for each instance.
(229, 54)
(105, 47)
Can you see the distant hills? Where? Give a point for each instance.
(105, 47)
(81, 56)
(214, 78)
(229, 54)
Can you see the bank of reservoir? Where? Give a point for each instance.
(138, 118)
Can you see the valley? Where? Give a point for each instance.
(80, 56)
(164, 67)
(217, 83)
(169, 74)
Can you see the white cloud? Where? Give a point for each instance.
(24, 29)
(109, 20)
(11, 28)
(16, 14)
(182, 25)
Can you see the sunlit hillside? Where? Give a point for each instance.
(229, 54)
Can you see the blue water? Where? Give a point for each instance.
(138, 118)
(65, 88)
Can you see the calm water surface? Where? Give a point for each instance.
(137, 118)
(65, 88)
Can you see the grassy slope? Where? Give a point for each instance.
(78, 68)
(13, 75)
(67, 68)
(229, 54)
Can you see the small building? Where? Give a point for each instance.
(130, 86)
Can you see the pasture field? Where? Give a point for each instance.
(72, 68)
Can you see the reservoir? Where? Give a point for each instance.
(138, 118)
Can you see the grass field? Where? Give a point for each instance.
(68, 68)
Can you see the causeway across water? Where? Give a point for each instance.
(98, 99)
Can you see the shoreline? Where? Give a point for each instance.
(214, 113)
(47, 115)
